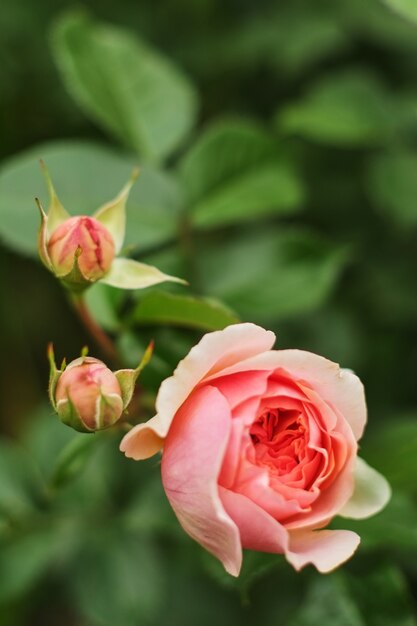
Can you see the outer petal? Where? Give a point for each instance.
(258, 530)
(191, 464)
(215, 351)
(144, 440)
(339, 387)
(372, 492)
(130, 274)
(325, 549)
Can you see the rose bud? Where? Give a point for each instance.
(86, 239)
(260, 450)
(82, 250)
(87, 395)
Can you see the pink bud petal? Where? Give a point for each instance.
(88, 392)
(88, 235)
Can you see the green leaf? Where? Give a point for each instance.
(235, 173)
(149, 511)
(118, 579)
(285, 38)
(348, 109)
(380, 26)
(376, 598)
(20, 484)
(267, 276)
(25, 560)
(160, 307)
(392, 183)
(43, 440)
(270, 190)
(406, 8)
(223, 152)
(124, 85)
(399, 437)
(85, 175)
(328, 602)
(305, 38)
(383, 596)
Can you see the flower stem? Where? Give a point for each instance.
(105, 343)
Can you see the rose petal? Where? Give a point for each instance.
(371, 493)
(191, 463)
(258, 530)
(329, 503)
(233, 454)
(240, 386)
(325, 549)
(215, 351)
(254, 483)
(339, 387)
(144, 440)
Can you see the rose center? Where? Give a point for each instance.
(279, 439)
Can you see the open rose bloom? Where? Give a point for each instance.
(260, 450)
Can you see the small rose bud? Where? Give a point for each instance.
(88, 396)
(86, 239)
(81, 250)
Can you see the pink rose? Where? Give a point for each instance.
(260, 450)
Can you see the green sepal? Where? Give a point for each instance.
(54, 375)
(130, 274)
(56, 212)
(43, 237)
(68, 415)
(127, 378)
(112, 403)
(113, 214)
(75, 280)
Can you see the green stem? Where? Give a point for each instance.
(105, 343)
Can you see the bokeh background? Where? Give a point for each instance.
(278, 146)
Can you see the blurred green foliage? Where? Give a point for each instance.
(277, 142)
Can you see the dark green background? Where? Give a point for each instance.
(281, 180)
